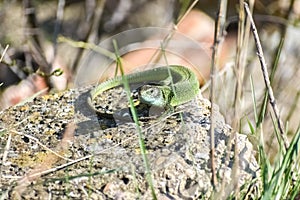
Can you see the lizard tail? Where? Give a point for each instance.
(111, 83)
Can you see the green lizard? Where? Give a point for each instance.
(163, 86)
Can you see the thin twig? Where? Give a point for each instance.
(165, 41)
(3, 53)
(57, 27)
(219, 30)
(187, 12)
(266, 77)
(89, 46)
(32, 39)
(91, 36)
(6, 149)
(59, 167)
(41, 144)
(240, 63)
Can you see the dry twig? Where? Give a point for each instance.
(219, 31)
(266, 77)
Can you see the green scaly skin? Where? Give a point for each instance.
(159, 89)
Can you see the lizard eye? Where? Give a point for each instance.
(153, 91)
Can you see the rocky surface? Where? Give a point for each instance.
(45, 157)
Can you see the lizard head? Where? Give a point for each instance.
(155, 95)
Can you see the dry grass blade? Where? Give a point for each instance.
(266, 77)
(6, 149)
(58, 22)
(4, 52)
(219, 33)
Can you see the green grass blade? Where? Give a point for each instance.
(253, 99)
(136, 121)
(282, 178)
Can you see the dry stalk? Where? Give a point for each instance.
(266, 77)
(218, 34)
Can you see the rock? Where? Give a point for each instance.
(102, 158)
